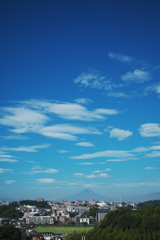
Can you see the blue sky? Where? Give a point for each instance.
(79, 98)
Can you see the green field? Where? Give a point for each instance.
(58, 230)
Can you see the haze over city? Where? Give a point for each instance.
(79, 98)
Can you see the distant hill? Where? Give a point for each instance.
(86, 195)
(143, 198)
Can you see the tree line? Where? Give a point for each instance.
(125, 224)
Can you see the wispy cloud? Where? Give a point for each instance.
(78, 174)
(3, 170)
(120, 57)
(121, 159)
(26, 149)
(48, 171)
(85, 144)
(101, 175)
(150, 130)
(91, 176)
(86, 163)
(10, 181)
(34, 115)
(91, 80)
(153, 88)
(30, 161)
(23, 119)
(8, 160)
(15, 137)
(107, 169)
(153, 154)
(150, 168)
(120, 133)
(46, 180)
(126, 184)
(71, 111)
(89, 185)
(117, 94)
(83, 100)
(66, 131)
(140, 150)
(108, 153)
(62, 151)
(137, 76)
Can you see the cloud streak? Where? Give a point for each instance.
(108, 153)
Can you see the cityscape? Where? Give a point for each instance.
(76, 213)
(79, 119)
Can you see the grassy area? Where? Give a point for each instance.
(58, 230)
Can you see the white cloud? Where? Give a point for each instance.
(85, 144)
(126, 184)
(89, 185)
(153, 88)
(16, 137)
(91, 176)
(5, 156)
(66, 131)
(23, 119)
(31, 116)
(140, 149)
(150, 130)
(9, 181)
(48, 171)
(3, 170)
(120, 160)
(103, 175)
(72, 111)
(87, 163)
(78, 174)
(45, 180)
(30, 161)
(156, 184)
(137, 76)
(120, 133)
(117, 94)
(150, 168)
(62, 151)
(107, 169)
(120, 57)
(155, 148)
(97, 171)
(91, 79)
(26, 149)
(8, 160)
(83, 100)
(108, 153)
(153, 154)
(37, 167)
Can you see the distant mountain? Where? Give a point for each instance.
(7, 199)
(143, 198)
(86, 195)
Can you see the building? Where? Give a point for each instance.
(24, 208)
(40, 220)
(85, 220)
(39, 199)
(101, 214)
(92, 202)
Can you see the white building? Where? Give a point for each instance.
(85, 220)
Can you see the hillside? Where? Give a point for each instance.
(126, 224)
